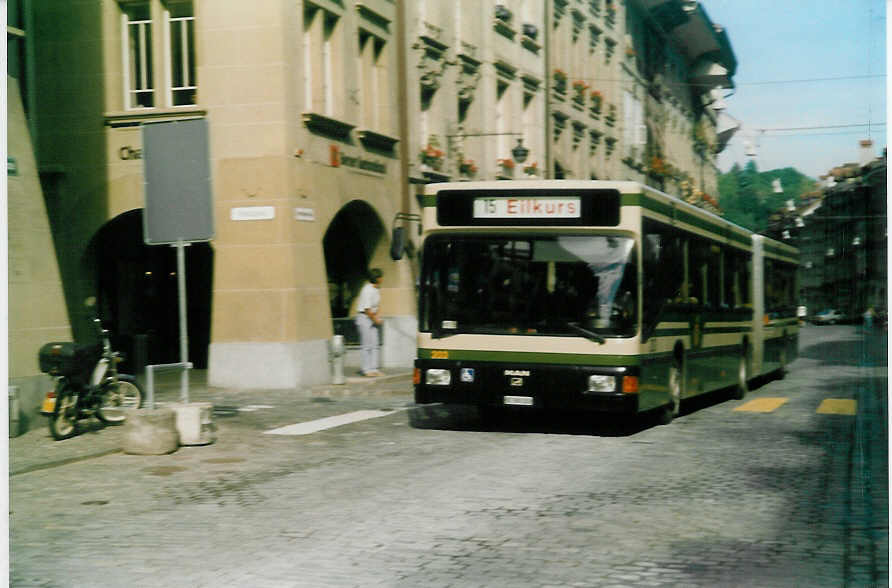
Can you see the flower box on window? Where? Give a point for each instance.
(597, 100)
(431, 157)
(560, 81)
(503, 14)
(467, 167)
(610, 118)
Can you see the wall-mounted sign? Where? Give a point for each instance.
(305, 214)
(127, 153)
(12, 166)
(252, 213)
(366, 164)
(337, 159)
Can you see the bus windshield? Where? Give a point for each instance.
(535, 285)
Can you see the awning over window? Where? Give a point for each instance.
(693, 33)
(725, 127)
(709, 74)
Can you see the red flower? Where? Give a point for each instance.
(507, 163)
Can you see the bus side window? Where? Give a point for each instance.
(662, 258)
(731, 285)
(698, 272)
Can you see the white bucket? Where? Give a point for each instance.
(195, 423)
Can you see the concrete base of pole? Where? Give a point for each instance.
(150, 432)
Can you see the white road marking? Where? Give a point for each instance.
(254, 407)
(330, 422)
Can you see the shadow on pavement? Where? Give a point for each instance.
(866, 348)
(468, 418)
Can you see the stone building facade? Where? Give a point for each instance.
(302, 145)
(842, 235)
(323, 118)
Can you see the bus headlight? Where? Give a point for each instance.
(437, 377)
(600, 383)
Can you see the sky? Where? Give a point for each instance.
(804, 63)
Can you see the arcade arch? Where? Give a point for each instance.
(354, 239)
(137, 291)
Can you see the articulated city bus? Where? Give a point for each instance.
(594, 295)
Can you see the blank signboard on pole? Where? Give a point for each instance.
(178, 206)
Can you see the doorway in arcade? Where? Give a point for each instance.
(350, 244)
(138, 298)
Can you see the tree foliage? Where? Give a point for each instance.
(747, 195)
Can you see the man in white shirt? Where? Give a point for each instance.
(368, 321)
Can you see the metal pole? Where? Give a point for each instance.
(184, 334)
(402, 89)
(150, 387)
(548, 172)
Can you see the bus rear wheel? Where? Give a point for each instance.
(782, 370)
(743, 375)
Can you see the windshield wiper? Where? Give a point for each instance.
(588, 334)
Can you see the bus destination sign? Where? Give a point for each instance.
(520, 207)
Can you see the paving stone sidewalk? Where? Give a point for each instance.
(36, 449)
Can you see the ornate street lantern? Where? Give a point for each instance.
(520, 152)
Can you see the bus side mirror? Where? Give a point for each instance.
(397, 243)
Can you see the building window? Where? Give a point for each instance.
(177, 80)
(502, 114)
(139, 87)
(373, 82)
(181, 48)
(634, 133)
(322, 53)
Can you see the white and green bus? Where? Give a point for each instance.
(594, 295)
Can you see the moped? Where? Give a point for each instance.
(87, 383)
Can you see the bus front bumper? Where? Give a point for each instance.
(552, 387)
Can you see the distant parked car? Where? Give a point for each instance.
(801, 313)
(827, 317)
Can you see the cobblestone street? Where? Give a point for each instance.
(425, 495)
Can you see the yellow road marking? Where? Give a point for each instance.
(838, 406)
(762, 405)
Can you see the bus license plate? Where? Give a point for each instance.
(518, 400)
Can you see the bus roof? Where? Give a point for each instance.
(624, 187)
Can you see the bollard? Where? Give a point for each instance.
(140, 357)
(14, 410)
(336, 357)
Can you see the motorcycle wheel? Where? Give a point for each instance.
(63, 421)
(115, 398)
